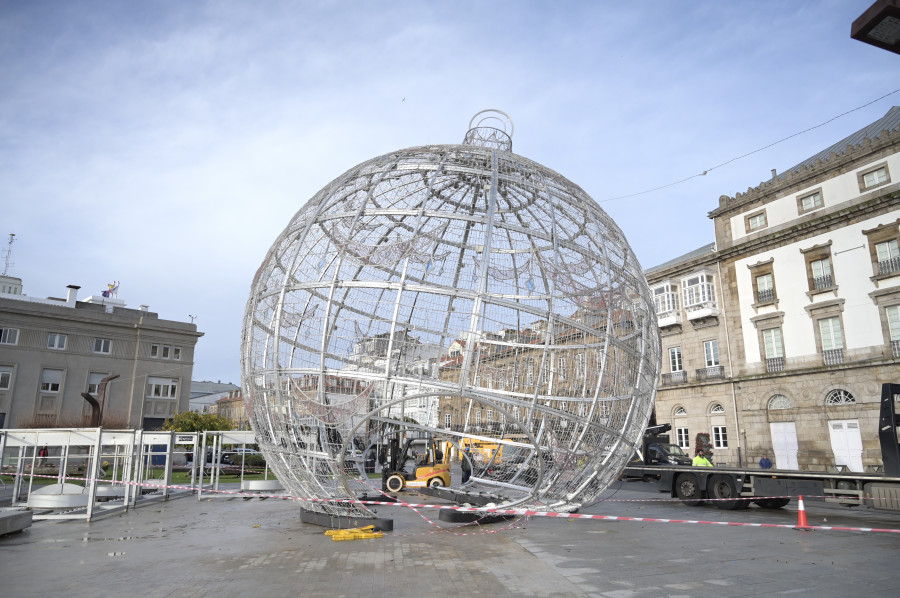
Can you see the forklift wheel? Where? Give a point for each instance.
(394, 483)
(435, 483)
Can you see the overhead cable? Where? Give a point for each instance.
(774, 143)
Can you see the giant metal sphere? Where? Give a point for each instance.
(459, 292)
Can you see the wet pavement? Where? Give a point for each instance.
(229, 546)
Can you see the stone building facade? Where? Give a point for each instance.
(515, 368)
(696, 393)
(807, 268)
(232, 408)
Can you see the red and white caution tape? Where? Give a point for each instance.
(491, 510)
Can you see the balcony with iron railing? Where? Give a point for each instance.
(775, 364)
(710, 373)
(833, 356)
(895, 348)
(823, 282)
(889, 266)
(765, 295)
(674, 378)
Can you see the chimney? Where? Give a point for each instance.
(774, 174)
(72, 295)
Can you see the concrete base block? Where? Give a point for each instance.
(261, 486)
(470, 516)
(477, 499)
(334, 522)
(14, 520)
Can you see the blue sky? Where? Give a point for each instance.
(166, 144)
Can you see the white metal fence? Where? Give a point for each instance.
(93, 471)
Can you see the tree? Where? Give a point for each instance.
(191, 421)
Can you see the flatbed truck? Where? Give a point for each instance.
(737, 488)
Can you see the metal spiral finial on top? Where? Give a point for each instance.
(494, 129)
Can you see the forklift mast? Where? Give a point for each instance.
(395, 460)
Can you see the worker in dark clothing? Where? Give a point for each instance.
(765, 462)
(466, 467)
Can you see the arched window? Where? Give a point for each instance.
(717, 408)
(780, 402)
(680, 410)
(839, 396)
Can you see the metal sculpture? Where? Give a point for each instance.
(460, 292)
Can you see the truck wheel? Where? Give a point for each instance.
(395, 483)
(772, 503)
(723, 488)
(435, 483)
(688, 490)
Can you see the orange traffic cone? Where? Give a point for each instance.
(802, 523)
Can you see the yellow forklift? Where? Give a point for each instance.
(415, 463)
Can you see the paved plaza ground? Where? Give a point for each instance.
(228, 546)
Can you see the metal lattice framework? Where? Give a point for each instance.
(461, 291)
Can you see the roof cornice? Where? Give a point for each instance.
(806, 175)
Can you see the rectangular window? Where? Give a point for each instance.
(773, 344)
(579, 366)
(675, 359)
(810, 202)
(893, 318)
(478, 417)
(711, 351)
(447, 419)
(821, 273)
(102, 345)
(875, 177)
(832, 336)
(9, 336)
(50, 380)
(887, 250)
(888, 256)
(56, 341)
(490, 415)
(884, 248)
(698, 290)
(154, 351)
(5, 377)
(682, 438)
(176, 353)
(755, 221)
(165, 351)
(94, 379)
(665, 298)
(162, 388)
(561, 365)
(720, 437)
(765, 288)
(529, 373)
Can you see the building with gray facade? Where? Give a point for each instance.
(53, 350)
